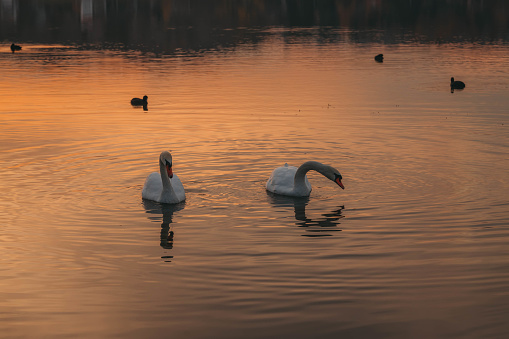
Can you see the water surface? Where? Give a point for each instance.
(415, 246)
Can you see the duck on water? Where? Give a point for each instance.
(139, 102)
(15, 48)
(456, 84)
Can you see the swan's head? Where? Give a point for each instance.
(452, 80)
(145, 98)
(337, 180)
(334, 175)
(166, 160)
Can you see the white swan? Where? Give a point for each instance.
(164, 187)
(292, 181)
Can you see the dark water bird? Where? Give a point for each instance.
(139, 102)
(457, 84)
(15, 48)
(379, 58)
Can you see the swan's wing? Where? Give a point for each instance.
(178, 187)
(281, 180)
(153, 187)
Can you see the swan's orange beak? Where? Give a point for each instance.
(170, 171)
(340, 184)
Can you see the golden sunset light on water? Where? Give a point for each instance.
(106, 235)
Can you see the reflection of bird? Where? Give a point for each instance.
(167, 214)
(379, 58)
(288, 180)
(164, 187)
(315, 227)
(139, 102)
(15, 48)
(328, 221)
(457, 84)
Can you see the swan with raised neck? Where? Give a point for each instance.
(165, 186)
(292, 181)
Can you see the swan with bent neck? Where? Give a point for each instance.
(164, 187)
(292, 181)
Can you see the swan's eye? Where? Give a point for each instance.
(168, 163)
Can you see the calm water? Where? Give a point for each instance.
(416, 246)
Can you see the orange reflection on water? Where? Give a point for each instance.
(414, 158)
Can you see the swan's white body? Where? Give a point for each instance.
(164, 187)
(292, 181)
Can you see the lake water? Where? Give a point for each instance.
(416, 246)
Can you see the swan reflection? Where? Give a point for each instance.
(166, 211)
(314, 227)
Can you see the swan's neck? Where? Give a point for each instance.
(300, 175)
(164, 177)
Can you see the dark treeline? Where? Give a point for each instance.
(203, 24)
